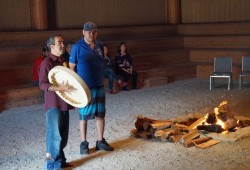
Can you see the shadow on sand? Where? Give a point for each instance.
(123, 143)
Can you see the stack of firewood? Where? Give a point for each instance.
(170, 131)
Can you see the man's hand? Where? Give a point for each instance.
(125, 70)
(131, 70)
(63, 87)
(72, 66)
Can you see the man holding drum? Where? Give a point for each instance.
(57, 111)
(86, 58)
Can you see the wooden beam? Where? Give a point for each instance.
(174, 11)
(38, 14)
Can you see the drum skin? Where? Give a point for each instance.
(80, 95)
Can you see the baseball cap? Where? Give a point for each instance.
(88, 26)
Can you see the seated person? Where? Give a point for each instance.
(45, 53)
(66, 54)
(124, 65)
(109, 71)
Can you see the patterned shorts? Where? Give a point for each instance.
(96, 107)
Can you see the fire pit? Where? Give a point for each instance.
(221, 120)
(197, 130)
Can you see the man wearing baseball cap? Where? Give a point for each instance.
(86, 58)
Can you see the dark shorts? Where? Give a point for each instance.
(96, 107)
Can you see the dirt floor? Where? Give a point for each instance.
(22, 132)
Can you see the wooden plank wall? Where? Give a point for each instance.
(14, 15)
(109, 13)
(71, 14)
(206, 11)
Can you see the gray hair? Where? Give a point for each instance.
(51, 40)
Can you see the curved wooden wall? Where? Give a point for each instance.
(15, 15)
(70, 14)
(109, 13)
(210, 11)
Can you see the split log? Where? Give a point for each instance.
(188, 135)
(160, 125)
(144, 134)
(207, 144)
(179, 127)
(201, 140)
(142, 122)
(175, 138)
(244, 123)
(189, 122)
(165, 136)
(145, 126)
(167, 133)
(210, 118)
(186, 139)
(159, 133)
(210, 128)
(196, 123)
(225, 116)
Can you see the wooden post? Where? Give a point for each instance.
(38, 14)
(173, 11)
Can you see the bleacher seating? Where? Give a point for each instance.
(161, 54)
(206, 41)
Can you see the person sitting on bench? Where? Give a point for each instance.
(124, 65)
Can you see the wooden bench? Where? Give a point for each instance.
(156, 59)
(15, 75)
(38, 38)
(19, 55)
(22, 73)
(239, 28)
(173, 72)
(26, 54)
(218, 42)
(19, 95)
(154, 81)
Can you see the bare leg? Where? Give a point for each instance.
(101, 143)
(100, 125)
(83, 129)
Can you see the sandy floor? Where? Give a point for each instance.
(22, 132)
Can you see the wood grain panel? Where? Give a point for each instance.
(207, 56)
(204, 71)
(73, 13)
(205, 11)
(238, 28)
(218, 42)
(14, 15)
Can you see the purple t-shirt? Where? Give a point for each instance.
(52, 100)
